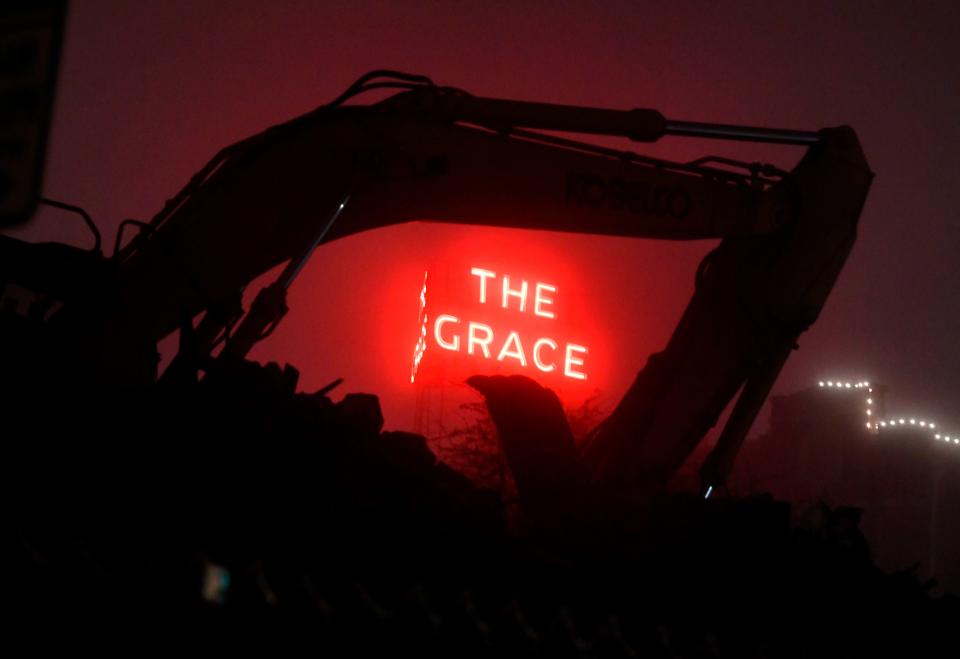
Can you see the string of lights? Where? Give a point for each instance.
(872, 423)
(421, 346)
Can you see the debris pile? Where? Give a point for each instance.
(238, 492)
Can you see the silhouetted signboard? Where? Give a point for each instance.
(30, 37)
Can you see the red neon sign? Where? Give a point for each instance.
(485, 340)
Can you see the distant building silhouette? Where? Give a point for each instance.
(836, 443)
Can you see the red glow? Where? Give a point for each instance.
(357, 317)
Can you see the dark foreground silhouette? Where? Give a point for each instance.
(237, 492)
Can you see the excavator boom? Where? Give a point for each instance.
(436, 154)
(262, 203)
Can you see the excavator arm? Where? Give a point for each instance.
(436, 154)
(754, 296)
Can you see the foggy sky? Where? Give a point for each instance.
(149, 91)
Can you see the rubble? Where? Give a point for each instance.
(236, 492)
